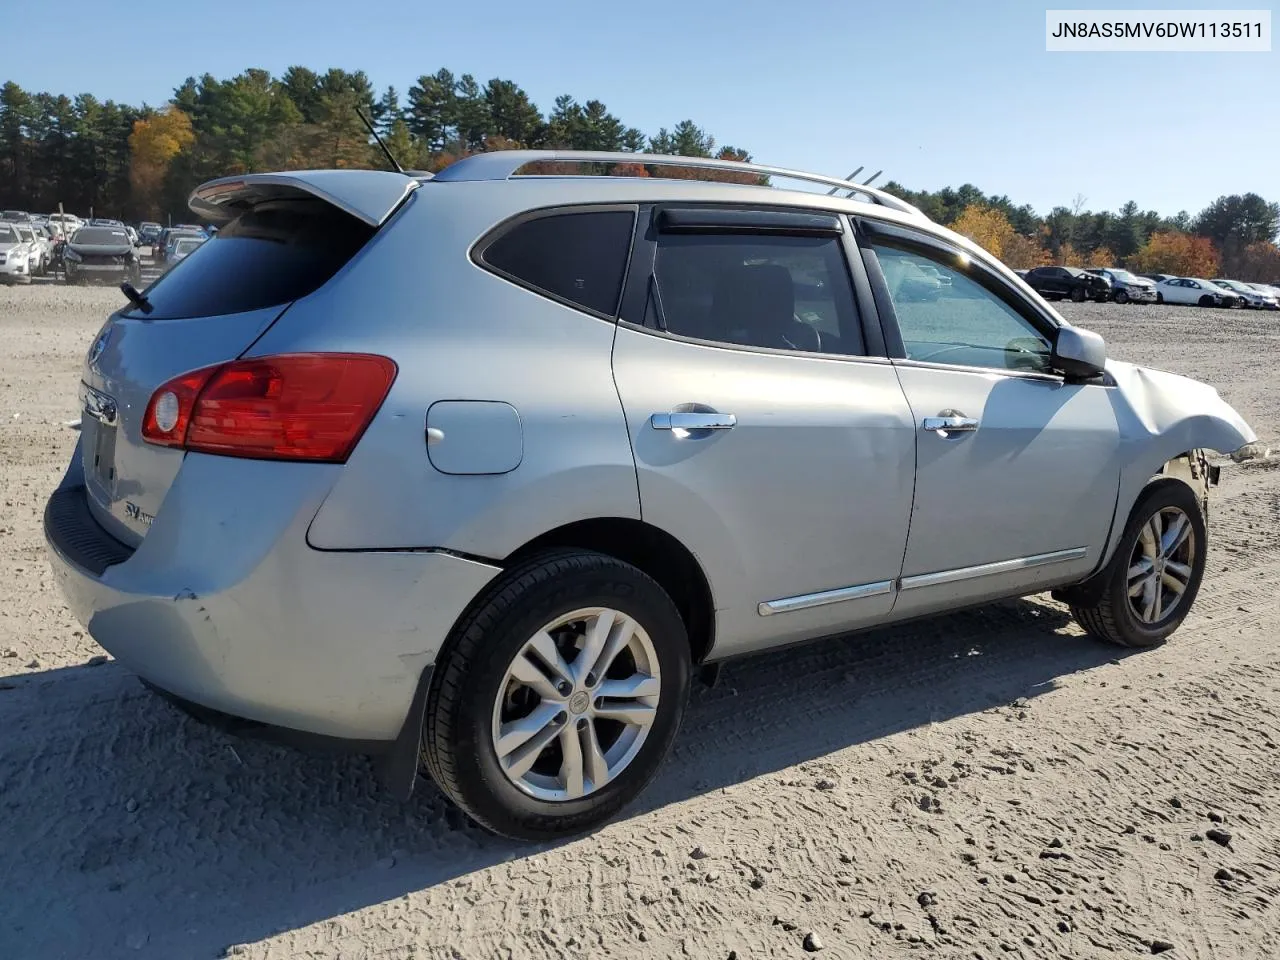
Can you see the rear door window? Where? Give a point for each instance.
(577, 257)
(277, 252)
(756, 290)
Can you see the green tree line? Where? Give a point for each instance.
(142, 161)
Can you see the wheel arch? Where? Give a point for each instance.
(652, 550)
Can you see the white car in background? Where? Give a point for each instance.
(1257, 299)
(15, 255)
(66, 223)
(44, 244)
(36, 261)
(1193, 290)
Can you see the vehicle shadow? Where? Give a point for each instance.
(129, 829)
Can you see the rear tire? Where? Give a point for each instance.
(1151, 582)
(1122, 296)
(1159, 297)
(483, 697)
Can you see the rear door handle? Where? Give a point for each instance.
(949, 423)
(693, 421)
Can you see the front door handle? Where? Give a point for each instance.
(693, 421)
(949, 422)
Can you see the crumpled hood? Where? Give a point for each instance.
(1160, 400)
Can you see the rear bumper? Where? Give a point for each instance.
(224, 604)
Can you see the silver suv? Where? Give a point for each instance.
(477, 470)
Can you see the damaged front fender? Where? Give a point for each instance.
(1162, 418)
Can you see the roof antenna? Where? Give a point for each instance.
(849, 177)
(374, 133)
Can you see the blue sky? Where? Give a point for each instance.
(935, 93)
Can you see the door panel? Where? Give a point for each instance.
(808, 491)
(1016, 470)
(1033, 487)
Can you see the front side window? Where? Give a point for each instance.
(756, 290)
(578, 257)
(964, 324)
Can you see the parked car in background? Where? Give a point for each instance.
(148, 231)
(183, 246)
(1270, 289)
(101, 253)
(36, 261)
(1054, 283)
(171, 238)
(15, 215)
(66, 223)
(1194, 290)
(1255, 299)
(1230, 298)
(1157, 277)
(1126, 286)
(105, 222)
(15, 255)
(707, 424)
(42, 244)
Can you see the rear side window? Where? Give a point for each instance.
(275, 253)
(576, 257)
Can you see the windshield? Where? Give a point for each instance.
(8, 234)
(26, 234)
(1124, 275)
(186, 245)
(101, 236)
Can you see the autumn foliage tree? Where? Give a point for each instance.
(985, 226)
(1180, 254)
(155, 141)
(990, 229)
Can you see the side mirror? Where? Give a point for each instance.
(1078, 353)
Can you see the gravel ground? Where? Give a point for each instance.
(990, 784)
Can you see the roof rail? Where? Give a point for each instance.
(504, 164)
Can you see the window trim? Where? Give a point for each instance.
(871, 231)
(481, 245)
(708, 218)
(635, 297)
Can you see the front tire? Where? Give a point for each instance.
(557, 696)
(1122, 296)
(1077, 294)
(1156, 571)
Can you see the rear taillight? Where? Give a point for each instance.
(301, 406)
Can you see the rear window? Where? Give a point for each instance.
(576, 257)
(268, 256)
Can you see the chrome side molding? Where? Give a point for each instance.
(988, 569)
(807, 601)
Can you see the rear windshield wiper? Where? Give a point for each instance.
(137, 299)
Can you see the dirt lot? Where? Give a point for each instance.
(992, 784)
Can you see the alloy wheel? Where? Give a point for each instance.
(1161, 565)
(576, 704)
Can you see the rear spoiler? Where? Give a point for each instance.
(368, 195)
